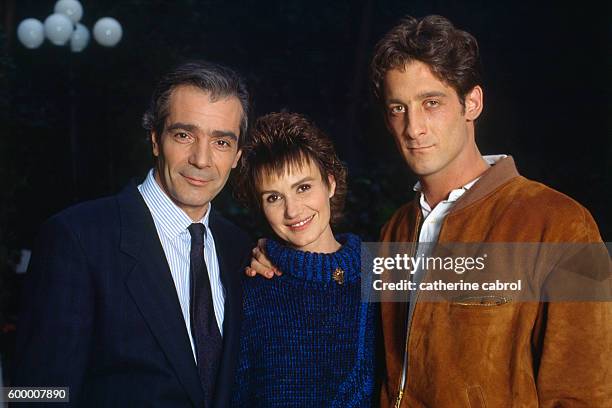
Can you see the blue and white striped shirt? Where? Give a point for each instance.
(171, 223)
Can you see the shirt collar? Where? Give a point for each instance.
(454, 195)
(171, 219)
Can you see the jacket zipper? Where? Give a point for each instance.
(402, 385)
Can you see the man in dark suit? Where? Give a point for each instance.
(135, 299)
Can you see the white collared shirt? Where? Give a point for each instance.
(432, 219)
(171, 223)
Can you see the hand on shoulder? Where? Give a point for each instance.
(260, 264)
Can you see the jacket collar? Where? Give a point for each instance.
(494, 177)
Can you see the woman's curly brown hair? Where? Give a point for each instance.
(287, 140)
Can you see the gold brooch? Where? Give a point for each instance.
(338, 276)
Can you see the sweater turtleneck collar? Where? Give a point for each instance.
(341, 266)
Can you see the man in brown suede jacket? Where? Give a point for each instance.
(509, 354)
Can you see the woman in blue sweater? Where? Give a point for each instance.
(307, 336)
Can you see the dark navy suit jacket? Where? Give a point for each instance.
(101, 314)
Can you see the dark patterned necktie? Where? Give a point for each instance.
(204, 329)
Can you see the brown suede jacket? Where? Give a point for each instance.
(518, 354)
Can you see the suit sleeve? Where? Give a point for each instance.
(54, 331)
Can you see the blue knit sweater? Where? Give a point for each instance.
(307, 338)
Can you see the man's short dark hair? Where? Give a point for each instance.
(288, 140)
(217, 80)
(451, 54)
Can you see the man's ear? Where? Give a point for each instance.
(474, 103)
(331, 181)
(237, 158)
(155, 143)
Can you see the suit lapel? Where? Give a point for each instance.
(150, 283)
(229, 258)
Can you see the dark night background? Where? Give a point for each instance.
(547, 88)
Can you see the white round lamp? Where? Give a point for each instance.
(58, 28)
(70, 8)
(31, 33)
(80, 38)
(107, 31)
